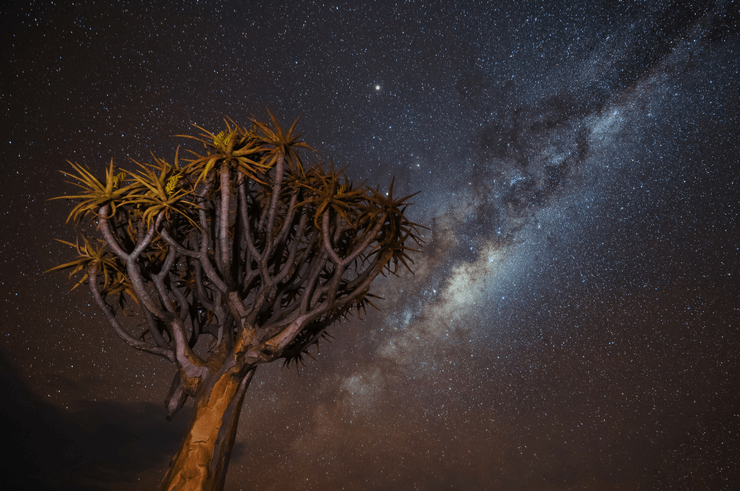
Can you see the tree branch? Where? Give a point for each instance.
(223, 225)
(110, 238)
(113, 321)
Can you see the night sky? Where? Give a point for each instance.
(573, 320)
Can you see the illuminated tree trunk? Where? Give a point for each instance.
(203, 458)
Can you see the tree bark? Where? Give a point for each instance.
(203, 458)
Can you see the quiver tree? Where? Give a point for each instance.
(233, 257)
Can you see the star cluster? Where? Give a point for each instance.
(573, 318)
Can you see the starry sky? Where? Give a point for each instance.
(573, 318)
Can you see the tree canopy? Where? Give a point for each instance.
(235, 255)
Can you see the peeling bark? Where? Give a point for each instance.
(203, 458)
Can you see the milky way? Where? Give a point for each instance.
(572, 320)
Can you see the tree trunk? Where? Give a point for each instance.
(203, 458)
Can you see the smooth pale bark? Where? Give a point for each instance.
(203, 458)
